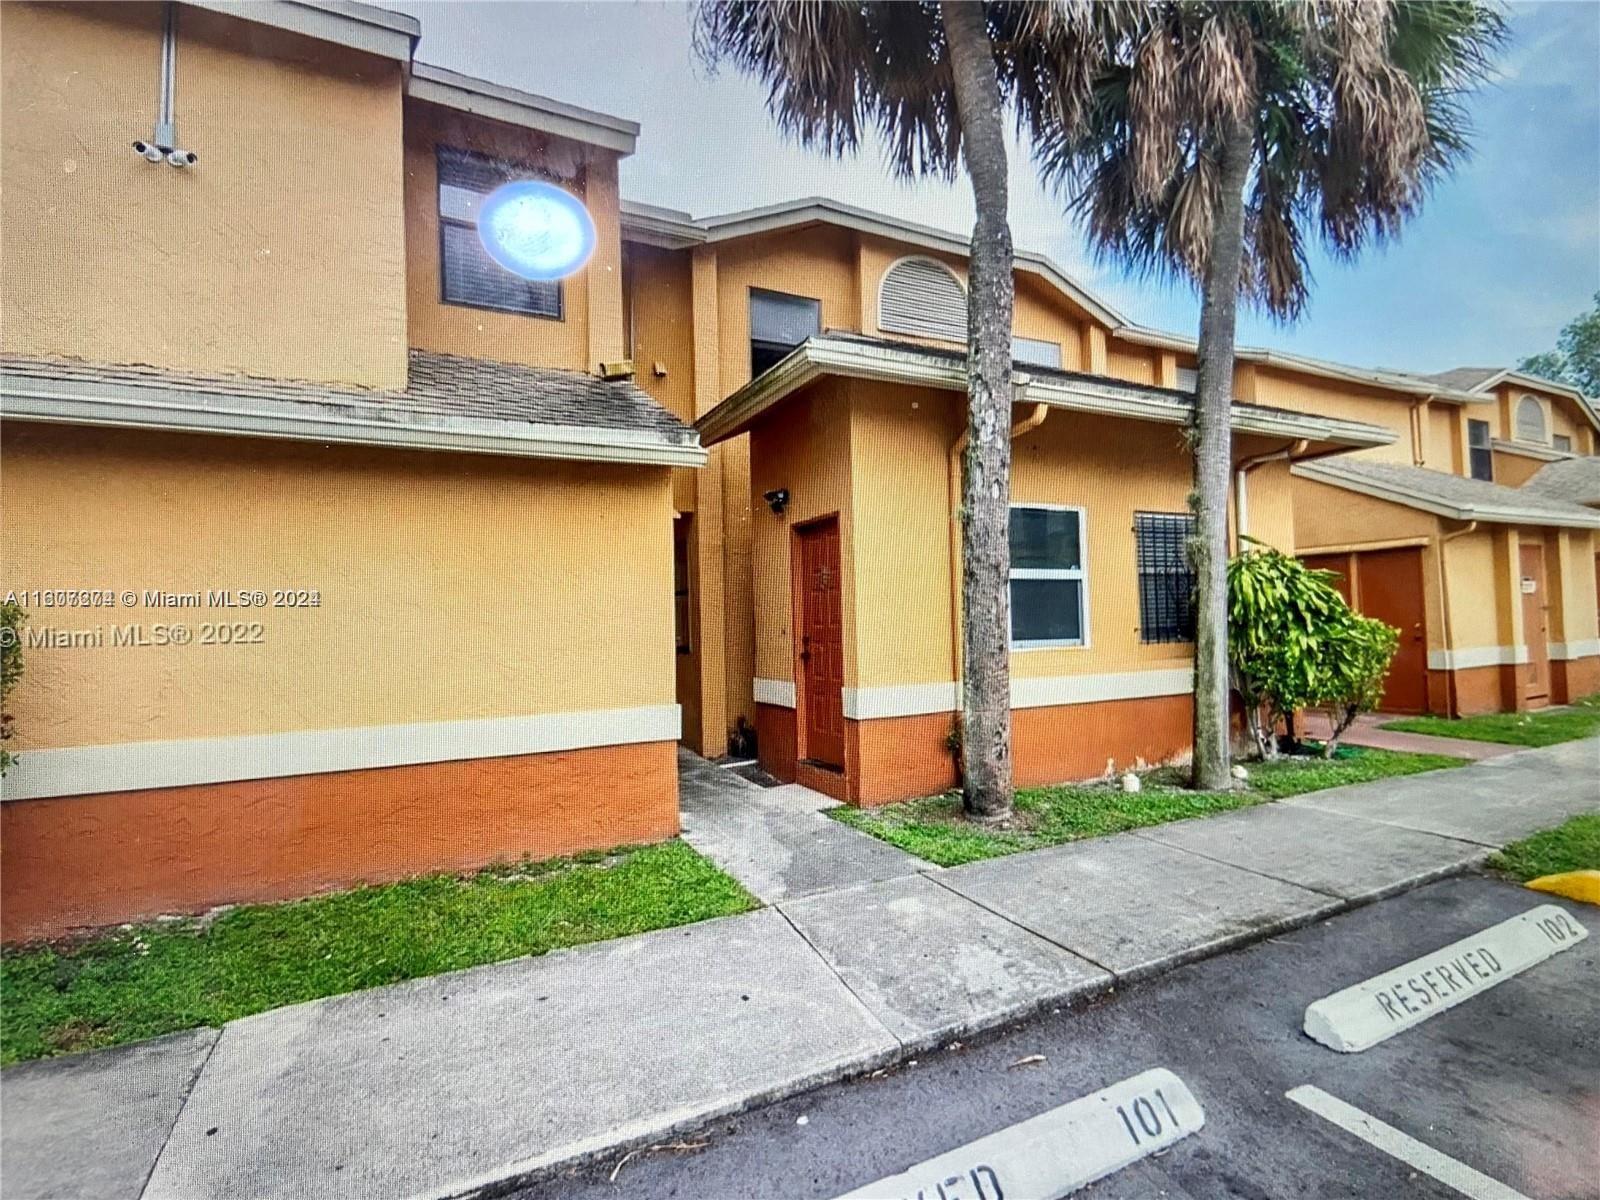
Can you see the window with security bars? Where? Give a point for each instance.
(1166, 580)
(468, 275)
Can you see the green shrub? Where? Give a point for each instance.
(1293, 644)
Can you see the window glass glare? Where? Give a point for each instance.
(1046, 610)
(1045, 539)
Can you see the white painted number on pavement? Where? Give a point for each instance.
(1057, 1152)
(1360, 1017)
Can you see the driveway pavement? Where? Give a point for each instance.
(444, 1085)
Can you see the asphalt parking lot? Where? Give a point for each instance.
(1505, 1086)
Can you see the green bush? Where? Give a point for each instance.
(1293, 644)
(11, 619)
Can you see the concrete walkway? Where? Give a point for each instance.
(1368, 731)
(440, 1086)
(776, 841)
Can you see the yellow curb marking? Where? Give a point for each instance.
(1582, 886)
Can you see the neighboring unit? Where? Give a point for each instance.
(1477, 536)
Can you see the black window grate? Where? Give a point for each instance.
(1166, 580)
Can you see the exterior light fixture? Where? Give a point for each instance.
(536, 230)
(163, 144)
(777, 500)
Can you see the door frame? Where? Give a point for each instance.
(1538, 648)
(796, 623)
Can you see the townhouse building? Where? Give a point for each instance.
(518, 539)
(288, 370)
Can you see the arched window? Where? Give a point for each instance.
(1530, 421)
(922, 297)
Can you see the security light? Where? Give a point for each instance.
(777, 500)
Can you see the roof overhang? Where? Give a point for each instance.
(652, 225)
(351, 422)
(677, 230)
(1498, 514)
(1530, 450)
(358, 26)
(858, 359)
(1391, 381)
(450, 89)
(819, 210)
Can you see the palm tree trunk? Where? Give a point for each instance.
(986, 486)
(1213, 461)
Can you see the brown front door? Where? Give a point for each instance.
(1535, 624)
(1391, 590)
(1339, 564)
(821, 649)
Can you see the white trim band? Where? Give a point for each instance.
(132, 766)
(1050, 691)
(1567, 651)
(1477, 656)
(901, 700)
(779, 692)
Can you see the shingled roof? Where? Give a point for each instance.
(449, 402)
(1465, 378)
(1573, 480)
(1453, 496)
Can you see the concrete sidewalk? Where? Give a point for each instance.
(443, 1086)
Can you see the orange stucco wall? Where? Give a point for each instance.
(451, 586)
(86, 861)
(281, 253)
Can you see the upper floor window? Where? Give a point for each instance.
(1048, 603)
(1530, 421)
(1035, 352)
(1188, 378)
(1562, 442)
(923, 297)
(778, 323)
(1482, 459)
(1166, 579)
(468, 275)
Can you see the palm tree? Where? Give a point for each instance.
(925, 76)
(1217, 138)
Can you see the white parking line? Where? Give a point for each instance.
(1406, 1148)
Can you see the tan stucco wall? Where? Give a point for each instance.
(452, 586)
(1476, 602)
(786, 454)
(1561, 415)
(878, 455)
(281, 253)
(591, 325)
(1325, 397)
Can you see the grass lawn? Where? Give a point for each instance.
(170, 975)
(934, 828)
(1574, 846)
(1545, 727)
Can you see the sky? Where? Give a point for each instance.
(1504, 253)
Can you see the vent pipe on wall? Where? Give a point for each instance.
(163, 144)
